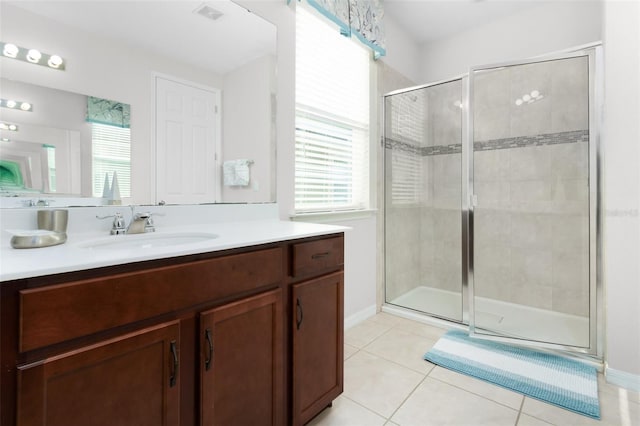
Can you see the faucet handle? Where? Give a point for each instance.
(118, 226)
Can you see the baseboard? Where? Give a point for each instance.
(623, 379)
(359, 316)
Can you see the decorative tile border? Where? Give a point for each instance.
(575, 136)
(402, 146)
(537, 140)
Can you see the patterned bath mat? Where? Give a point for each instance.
(550, 378)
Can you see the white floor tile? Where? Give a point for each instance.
(378, 384)
(403, 348)
(613, 411)
(437, 403)
(349, 351)
(526, 420)
(479, 387)
(345, 412)
(364, 333)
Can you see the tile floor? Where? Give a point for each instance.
(386, 382)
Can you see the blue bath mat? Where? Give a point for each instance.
(550, 378)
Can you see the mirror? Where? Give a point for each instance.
(119, 52)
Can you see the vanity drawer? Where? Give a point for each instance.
(62, 312)
(315, 257)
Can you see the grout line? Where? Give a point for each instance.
(482, 396)
(520, 411)
(407, 397)
(400, 365)
(342, 395)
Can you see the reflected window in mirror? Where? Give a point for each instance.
(111, 152)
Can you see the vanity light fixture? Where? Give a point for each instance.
(9, 126)
(529, 98)
(21, 105)
(33, 56)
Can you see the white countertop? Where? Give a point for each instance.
(74, 256)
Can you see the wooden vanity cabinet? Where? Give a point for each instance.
(129, 380)
(241, 362)
(198, 340)
(317, 326)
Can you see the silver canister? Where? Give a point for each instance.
(52, 230)
(53, 220)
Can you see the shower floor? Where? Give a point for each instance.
(505, 318)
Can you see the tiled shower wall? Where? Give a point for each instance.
(530, 176)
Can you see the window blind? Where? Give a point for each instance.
(111, 153)
(332, 118)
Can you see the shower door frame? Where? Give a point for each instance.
(595, 81)
(593, 51)
(464, 123)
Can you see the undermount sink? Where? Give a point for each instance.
(146, 241)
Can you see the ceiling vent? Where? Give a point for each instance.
(208, 12)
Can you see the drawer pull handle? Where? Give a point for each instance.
(299, 314)
(174, 369)
(320, 255)
(207, 361)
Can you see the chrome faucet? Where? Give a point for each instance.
(140, 223)
(118, 227)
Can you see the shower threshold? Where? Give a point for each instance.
(508, 319)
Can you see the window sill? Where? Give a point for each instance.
(334, 216)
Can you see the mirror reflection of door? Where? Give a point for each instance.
(187, 142)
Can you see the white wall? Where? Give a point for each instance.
(621, 146)
(403, 53)
(247, 128)
(550, 27)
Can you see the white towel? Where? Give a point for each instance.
(236, 172)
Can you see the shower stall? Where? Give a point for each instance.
(491, 201)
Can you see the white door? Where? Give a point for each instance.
(187, 129)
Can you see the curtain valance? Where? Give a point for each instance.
(360, 18)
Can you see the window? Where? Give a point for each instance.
(332, 118)
(111, 153)
(404, 132)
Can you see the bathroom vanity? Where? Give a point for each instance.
(244, 335)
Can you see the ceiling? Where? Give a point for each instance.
(430, 20)
(169, 28)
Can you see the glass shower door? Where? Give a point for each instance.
(423, 180)
(532, 202)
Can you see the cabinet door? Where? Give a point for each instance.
(318, 336)
(130, 380)
(242, 362)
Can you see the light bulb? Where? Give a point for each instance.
(13, 127)
(519, 102)
(34, 55)
(10, 50)
(54, 61)
(526, 98)
(25, 106)
(11, 104)
(534, 93)
(5, 139)
(4, 126)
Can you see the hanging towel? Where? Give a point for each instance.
(236, 172)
